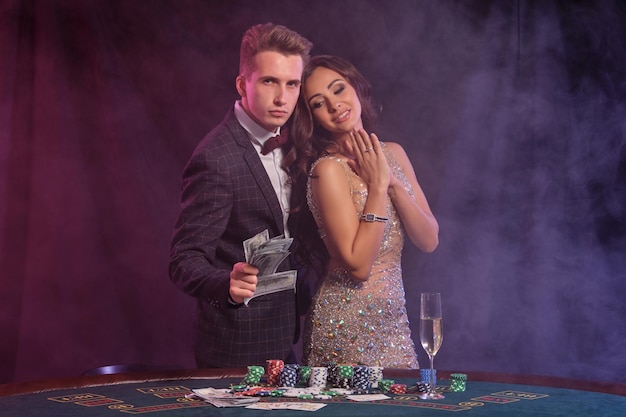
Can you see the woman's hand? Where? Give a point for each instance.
(369, 161)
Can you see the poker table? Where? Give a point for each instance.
(164, 394)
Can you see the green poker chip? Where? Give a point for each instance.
(385, 384)
(457, 382)
(345, 371)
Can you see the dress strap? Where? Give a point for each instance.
(311, 201)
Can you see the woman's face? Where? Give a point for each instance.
(333, 101)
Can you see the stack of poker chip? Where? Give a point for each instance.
(376, 374)
(288, 375)
(333, 374)
(397, 388)
(319, 376)
(253, 377)
(345, 374)
(422, 387)
(274, 366)
(304, 374)
(425, 376)
(457, 382)
(361, 379)
(385, 384)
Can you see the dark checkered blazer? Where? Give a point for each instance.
(227, 197)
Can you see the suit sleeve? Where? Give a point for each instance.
(206, 203)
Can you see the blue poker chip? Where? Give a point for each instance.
(425, 375)
(288, 376)
(361, 377)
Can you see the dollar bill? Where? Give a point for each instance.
(251, 245)
(221, 397)
(269, 284)
(267, 255)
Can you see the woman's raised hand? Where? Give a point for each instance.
(369, 161)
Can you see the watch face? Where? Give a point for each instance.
(371, 217)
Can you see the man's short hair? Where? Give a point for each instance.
(271, 37)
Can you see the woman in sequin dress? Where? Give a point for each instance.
(362, 196)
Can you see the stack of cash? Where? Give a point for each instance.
(267, 254)
(222, 397)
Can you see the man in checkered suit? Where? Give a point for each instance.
(233, 189)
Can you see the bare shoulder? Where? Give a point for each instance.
(397, 151)
(328, 167)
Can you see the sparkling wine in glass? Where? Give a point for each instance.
(431, 335)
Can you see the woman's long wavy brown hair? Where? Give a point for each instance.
(309, 141)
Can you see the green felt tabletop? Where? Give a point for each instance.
(167, 399)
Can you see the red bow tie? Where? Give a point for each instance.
(275, 142)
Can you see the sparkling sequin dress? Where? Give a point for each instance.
(362, 322)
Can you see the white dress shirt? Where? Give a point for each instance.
(272, 161)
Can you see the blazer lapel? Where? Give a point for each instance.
(257, 171)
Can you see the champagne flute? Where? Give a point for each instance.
(431, 335)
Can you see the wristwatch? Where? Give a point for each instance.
(371, 217)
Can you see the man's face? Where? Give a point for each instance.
(269, 94)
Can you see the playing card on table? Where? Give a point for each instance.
(223, 398)
(287, 406)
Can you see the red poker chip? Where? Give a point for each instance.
(398, 388)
